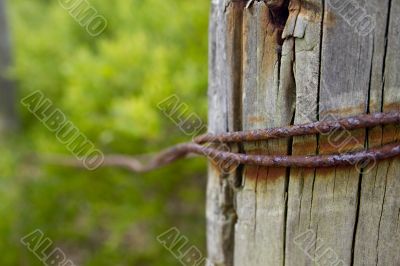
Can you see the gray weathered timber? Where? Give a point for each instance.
(327, 68)
(306, 68)
(344, 81)
(378, 231)
(224, 83)
(261, 200)
(7, 89)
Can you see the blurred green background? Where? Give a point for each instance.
(109, 87)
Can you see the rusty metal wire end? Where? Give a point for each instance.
(322, 127)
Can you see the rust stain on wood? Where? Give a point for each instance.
(264, 174)
(342, 142)
(274, 174)
(307, 147)
(311, 12)
(342, 112)
(257, 119)
(375, 137)
(251, 172)
(391, 107)
(390, 133)
(327, 172)
(330, 19)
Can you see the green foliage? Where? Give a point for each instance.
(109, 87)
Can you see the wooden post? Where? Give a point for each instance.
(8, 120)
(283, 62)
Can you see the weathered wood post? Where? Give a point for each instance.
(281, 62)
(8, 120)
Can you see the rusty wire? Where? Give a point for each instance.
(221, 157)
(228, 159)
(312, 161)
(321, 127)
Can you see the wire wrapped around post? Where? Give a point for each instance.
(181, 151)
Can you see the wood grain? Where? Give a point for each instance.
(267, 102)
(378, 231)
(224, 82)
(307, 33)
(326, 69)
